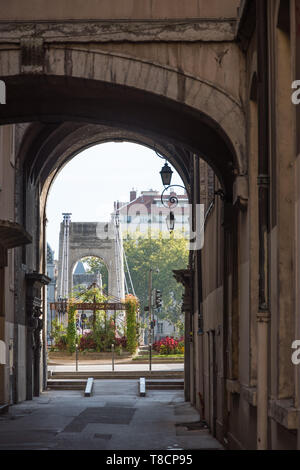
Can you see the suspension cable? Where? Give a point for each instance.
(129, 275)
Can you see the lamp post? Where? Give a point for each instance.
(76, 356)
(150, 318)
(62, 308)
(83, 318)
(172, 201)
(59, 308)
(170, 219)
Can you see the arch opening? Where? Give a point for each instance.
(80, 251)
(90, 270)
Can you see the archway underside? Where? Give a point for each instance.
(68, 115)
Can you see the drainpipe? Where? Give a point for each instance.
(263, 315)
(262, 381)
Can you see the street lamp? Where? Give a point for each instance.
(59, 308)
(172, 200)
(62, 307)
(170, 219)
(166, 174)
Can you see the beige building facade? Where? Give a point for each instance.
(193, 80)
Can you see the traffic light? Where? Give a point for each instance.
(157, 299)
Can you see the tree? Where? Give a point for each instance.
(164, 254)
(157, 252)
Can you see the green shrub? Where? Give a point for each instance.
(71, 329)
(57, 331)
(131, 323)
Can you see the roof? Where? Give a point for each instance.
(80, 269)
(50, 254)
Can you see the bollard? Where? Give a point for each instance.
(76, 355)
(142, 387)
(113, 357)
(150, 357)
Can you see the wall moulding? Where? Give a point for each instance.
(132, 31)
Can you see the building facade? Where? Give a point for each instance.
(148, 210)
(247, 306)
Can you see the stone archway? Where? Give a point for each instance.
(78, 112)
(132, 94)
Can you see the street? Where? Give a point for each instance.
(115, 417)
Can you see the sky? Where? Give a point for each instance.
(90, 183)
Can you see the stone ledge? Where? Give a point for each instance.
(233, 386)
(192, 30)
(249, 394)
(13, 235)
(241, 192)
(284, 413)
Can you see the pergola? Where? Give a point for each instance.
(62, 306)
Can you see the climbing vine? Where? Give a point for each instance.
(71, 329)
(132, 305)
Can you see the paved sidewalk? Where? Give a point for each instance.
(114, 418)
(118, 367)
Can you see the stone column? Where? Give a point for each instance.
(34, 315)
(228, 226)
(185, 277)
(264, 222)
(262, 379)
(3, 388)
(11, 236)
